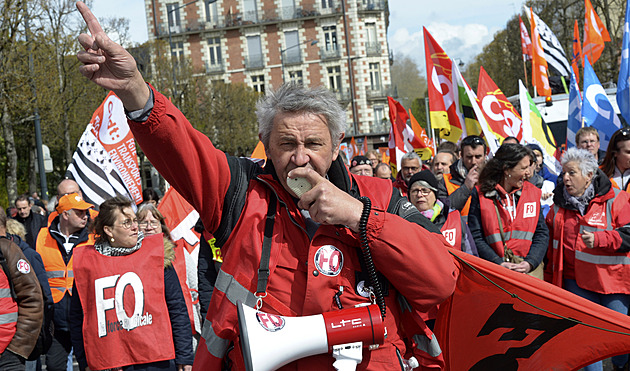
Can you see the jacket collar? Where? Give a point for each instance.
(601, 183)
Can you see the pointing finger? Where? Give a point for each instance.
(89, 18)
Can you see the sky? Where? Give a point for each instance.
(461, 27)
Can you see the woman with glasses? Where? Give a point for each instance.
(616, 164)
(505, 219)
(423, 194)
(128, 311)
(590, 237)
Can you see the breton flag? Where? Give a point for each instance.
(623, 83)
(597, 111)
(574, 121)
(500, 114)
(540, 75)
(526, 43)
(595, 34)
(105, 163)
(553, 52)
(498, 319)
(536, 131)
(577, 51)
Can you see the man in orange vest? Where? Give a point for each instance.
(55, 245)
(465, 173)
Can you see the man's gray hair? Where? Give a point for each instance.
(296, 98)
(583, 158)
(410, 156)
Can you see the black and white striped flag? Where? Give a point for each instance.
(554, 54)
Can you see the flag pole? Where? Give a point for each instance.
(525, 70)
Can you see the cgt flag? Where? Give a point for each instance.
(500, 114)
(498, 319)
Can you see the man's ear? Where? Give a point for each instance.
(336, 150)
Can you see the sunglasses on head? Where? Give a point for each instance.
(473, 140)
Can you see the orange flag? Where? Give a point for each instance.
(498, 319)
(595, 34)
(540, 78)
(421, 134)
(354, 150)
(259, 151)
(577, 52)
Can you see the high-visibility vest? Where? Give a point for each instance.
(452, 187)
(126, 320)
(615, 185)
(518, 233)
(8, 312)
(60, 276)
(596, 269)
(452, 229)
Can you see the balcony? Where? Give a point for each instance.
(292, 56)
(330, 52)
(253, 62)
(372, 6)
(332, 7)
(380, 127)
(217, 67)
(343, 95)
(379, 92)
(373, 49)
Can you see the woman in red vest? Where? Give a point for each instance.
(423, 190)
(616, 164)
(122, 318)
(590, 237)
(505, 218)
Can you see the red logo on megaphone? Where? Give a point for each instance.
(270, 322)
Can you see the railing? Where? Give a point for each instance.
(334, 8)
(373, 49)
(329, 53)
(218, 67)
(293, 56)
(343, 95)
(254, 62)
(372, 5)
(381, 92)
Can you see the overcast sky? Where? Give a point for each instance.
(462, 27)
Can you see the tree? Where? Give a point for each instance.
(408, 81)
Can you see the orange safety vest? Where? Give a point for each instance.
(452, 187)
(138, 333)
(596, 270)
(452, 229)
(60, 276)
(615, 185)
(518, 233)
(8, 313)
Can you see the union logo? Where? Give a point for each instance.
(270, 322)
(329, 260)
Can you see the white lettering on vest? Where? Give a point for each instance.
(529, 210)
(450, 236)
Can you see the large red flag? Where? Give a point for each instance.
(526, 43)
(498, 319)
(595, 34)
(577, 52)
(502, 117)
(398, 117)
(540, 77)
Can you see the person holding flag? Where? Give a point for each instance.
(464, 173)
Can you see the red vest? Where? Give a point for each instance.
(596, 269)
(452, 187)
(518, 233)
(141, 331)
(182, 274)
(8, 313)
(452, 229)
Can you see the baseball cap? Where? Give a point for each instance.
(359, 160)
(72, 201)
(426, 179)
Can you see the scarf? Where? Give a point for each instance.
(104, 248)
(432, 213)
(580, 203)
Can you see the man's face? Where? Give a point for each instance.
(373, 160)
(473, 156)
(441, 164)
(77, 219)
(300, 140)
(362, 170)
(23, 208)
(383, 172)
(409, 167)
(589, 142)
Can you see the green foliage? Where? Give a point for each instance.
(408, 81)
(418, 109)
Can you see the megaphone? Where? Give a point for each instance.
(270, 341)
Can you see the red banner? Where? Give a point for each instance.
(180, 217)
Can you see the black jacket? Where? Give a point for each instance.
(33, 223)
(459, 198)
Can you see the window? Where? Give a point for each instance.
(214, 51)
(330, 37)
(288, 9)
(327, 4)
(258, 83)
(177, 50)
(174, 23)
(372, 44)
(296, 77)
(375, 76)
(250, 14)
(255, 57)
(212, 14)
(334, 78)
(292, 49)
(378, 114)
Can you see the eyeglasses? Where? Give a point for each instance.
(422, 191)
(128, 223)
(473, 140)
(154, 224)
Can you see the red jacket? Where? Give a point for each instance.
(206, 177)
(452, 229)
(604, 267)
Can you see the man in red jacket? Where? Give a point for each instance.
(289, 233)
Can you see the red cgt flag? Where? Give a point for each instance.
(498, 319)
(502, 117)
(595, 34)
(526, 43)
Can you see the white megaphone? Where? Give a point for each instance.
(342, 332)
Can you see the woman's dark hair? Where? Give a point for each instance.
(149, 194)
(608, 165)
(506, 157)
(145, 208)
(107, 215)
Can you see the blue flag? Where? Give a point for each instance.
(623, 83)
(597, 111)
(574, 121)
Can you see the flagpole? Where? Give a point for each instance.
(525, 70)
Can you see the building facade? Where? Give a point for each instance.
(339, 44)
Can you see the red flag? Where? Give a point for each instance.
(502, 117)
(352, 147)
(421, 136)
(364, 147)
(595, 34)
(526, 43)
(498, 319)
(577, 52)
(540, 77)
(398, 117)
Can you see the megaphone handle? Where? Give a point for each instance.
(347, 356)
